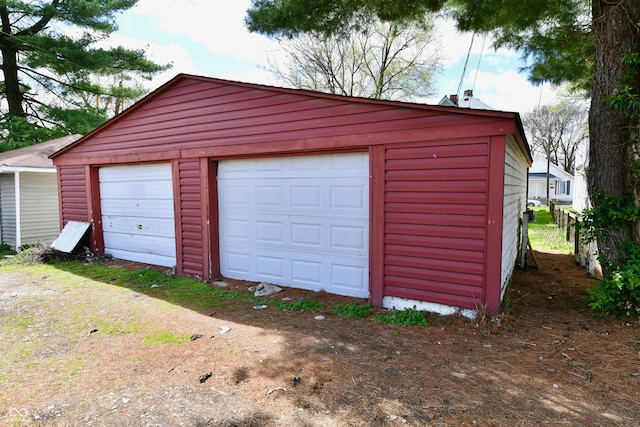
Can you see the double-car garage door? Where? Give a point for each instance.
(300, 221)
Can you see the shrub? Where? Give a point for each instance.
(619, 292)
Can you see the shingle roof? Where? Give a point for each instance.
(37, 155)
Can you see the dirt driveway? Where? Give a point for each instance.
(81, 352)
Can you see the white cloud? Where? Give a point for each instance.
(510, 91)
(218, 25)
(254, 75)
(174, 54)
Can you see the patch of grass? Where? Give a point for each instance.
(185, 292)
(303, 304)
(74, 366)
(161, 336)
(114, 329)
(406, 317)
(545, 235)
(353, 310)
(20, 322)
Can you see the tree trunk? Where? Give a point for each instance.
(9, 67)
(616, 34)
(11, 82)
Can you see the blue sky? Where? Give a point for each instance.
(208, 37)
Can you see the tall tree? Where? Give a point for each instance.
(376, 59)
(578, 41)
(50, 61)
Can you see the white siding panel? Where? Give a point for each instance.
(297, 221)
(39, 208)
(8, 209)
(515, 203)
(137, 213)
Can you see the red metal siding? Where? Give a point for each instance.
(73, 192)
(190, 223)
(197, 118)
(435, 221)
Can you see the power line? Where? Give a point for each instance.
(478, 66)
(466, 61)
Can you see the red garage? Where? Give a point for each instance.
(404, 204)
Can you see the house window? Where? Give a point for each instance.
(568, 187)
(561, 190)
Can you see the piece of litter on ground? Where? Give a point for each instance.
(319, 317)
(276, 389)
(155, 286)
(195, 337)
(224, 329)
(221, 284)
(205, 377)
(260, 307)
(286, 299)
(264, 289)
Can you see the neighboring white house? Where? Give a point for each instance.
(29, 194)
(581, 195)
(561, 183)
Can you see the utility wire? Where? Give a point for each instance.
(466, 61)
(478, 66)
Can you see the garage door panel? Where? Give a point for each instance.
(142, 226)
(131, 190)
(272, 232)
(269, 196)
(296, 221)
(349, 198)
(148, 208)
(306, 235)
(138, 213)
(341, 237)
(124, 242)
(147, 258)
(154, 172)
(271, 267)
(349, 238)
(237, 263)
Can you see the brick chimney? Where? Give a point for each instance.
(468, 94)
(454, 99)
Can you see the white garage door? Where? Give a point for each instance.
(137, 213)
(297, 221)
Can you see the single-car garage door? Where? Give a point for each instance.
(297, 221)
(137, 213)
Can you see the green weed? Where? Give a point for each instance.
(303, 304)
(353, 310)
(406, 317)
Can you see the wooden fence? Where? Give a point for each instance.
(585, 253)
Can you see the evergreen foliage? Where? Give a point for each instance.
(58, 78)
